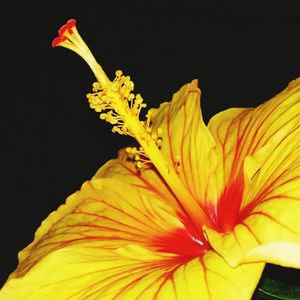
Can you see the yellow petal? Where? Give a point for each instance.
(132, 273)
(187, 144)
(244, 140)
(269, 217)
(125, 170)
(103, 244)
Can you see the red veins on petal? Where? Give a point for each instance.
(61, 32)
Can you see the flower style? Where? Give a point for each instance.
(194, 212)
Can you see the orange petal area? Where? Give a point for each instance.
(245, 138)
(269, 218)
(104, 244)
(187, 144)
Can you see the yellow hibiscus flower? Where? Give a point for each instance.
(193, 212)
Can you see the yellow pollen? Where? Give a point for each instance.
(118, 105)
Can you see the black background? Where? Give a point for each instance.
(52, 142)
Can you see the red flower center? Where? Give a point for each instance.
(182, 243)
(228, 209)
(187, 243)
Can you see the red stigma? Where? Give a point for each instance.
(68, 26)
(61, 32)
(56, 41)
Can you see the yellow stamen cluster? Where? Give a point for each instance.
(114, 100)
(115, 103)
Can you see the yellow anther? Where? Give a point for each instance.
(154, 136)
(131, 97)
(97, 108)
(103, 116)
(138, 99)
(119, 73)
(128, 149)
(96, 87)
(134, 150)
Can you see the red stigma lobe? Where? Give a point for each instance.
(61, 32)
